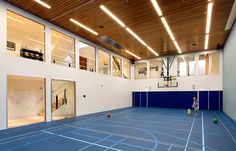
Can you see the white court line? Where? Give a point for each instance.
(116, 143)
(169, 149)
(203, 135)
(95, 142)
(78, 140)
(185, 149)
(226, 128)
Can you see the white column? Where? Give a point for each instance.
(48, 46)
(148, 70)
(3, 28)
(48, 111)
(111, 64)
(77, 53)
(96, 59)
(3, 101)
(122, 67)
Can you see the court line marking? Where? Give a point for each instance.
(185, 149)
(203, 135)
(54, 127)
(95, 142)
(117, 143)
(143, 139)
(71, 138)
(230, 123)
(169, 149)
(226, 128)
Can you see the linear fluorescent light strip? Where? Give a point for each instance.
(132, 54)
(159, 12)
(107, 11)
(112, 15)
(208, 23)
(17, 20)
(83, 26)
(136, 36)
(154, 52)
(43, 3)
(157, 8)
(206, 41)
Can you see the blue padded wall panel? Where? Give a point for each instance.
(133, 99)
(137, 99)
(221, 100)
(214, 100)
(171, 99)
(203, 100)
(143, 99)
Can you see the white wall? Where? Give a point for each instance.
(115, 93)
(229, 77)
(185, 83)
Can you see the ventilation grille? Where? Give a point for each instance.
(111, 42)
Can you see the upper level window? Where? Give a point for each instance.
(63, 49)
(191, 65)
(140, 70)
(87, 57)
(155, 68)
(203, 64)
(126, 69)
(116, 66)
(214, 63)
(25, 37)
(182, 67)
(104, 62)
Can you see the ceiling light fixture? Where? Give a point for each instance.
(43, 4)
(156, 6)
(127, 29)
(208, 24)
(209, 12)
(206, 41)
(154, 52)
(83, 26)
(132, 54)
(112, 15)
(167, 27)
(136, 36)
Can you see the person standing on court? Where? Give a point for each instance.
(195, 106)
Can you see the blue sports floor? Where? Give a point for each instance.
(130, 129)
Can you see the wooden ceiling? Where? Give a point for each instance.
(186, 18)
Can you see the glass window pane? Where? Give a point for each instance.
(127, 70)
(63, 52)
(182, 66)
(191, 67)
(63, 99)
(25, 37)
(155, 68)
(87, 57)
(140, 70)
(26, 100)
(104, 62)
(203, 64)
(116, 66)
(214, 63)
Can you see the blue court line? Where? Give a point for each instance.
(203, 135)
(118, 142)
(95, 142)
(228, 121)
(226, 128)
(185, 149)
(28, 143)
(71, 138)
(140, 129)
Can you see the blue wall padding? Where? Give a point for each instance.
(203, 100)
(143, 99)
(178, 99)
(221, 100)
(214, 100)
